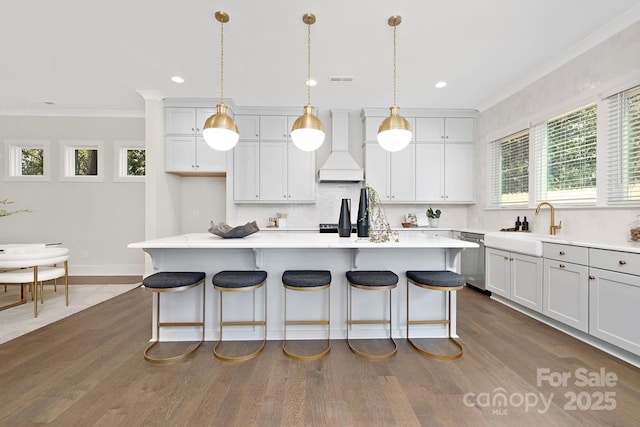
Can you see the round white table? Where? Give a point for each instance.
(23, 264)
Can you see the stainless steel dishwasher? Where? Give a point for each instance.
(472, 261)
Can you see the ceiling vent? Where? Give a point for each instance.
(335, 79)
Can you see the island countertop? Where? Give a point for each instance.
(301, 240)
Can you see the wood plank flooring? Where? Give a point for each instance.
(88, 370)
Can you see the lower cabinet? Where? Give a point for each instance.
(515, 276)
(566, 293)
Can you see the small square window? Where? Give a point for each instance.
(27, 160)
(82, 161)
(130, 161)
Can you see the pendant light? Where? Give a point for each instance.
(307, 132)
(394, 133)
(220, 131)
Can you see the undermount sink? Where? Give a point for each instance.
(524, 243)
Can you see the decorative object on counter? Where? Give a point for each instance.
(307, 132)
(380, 230)
(227, 232)
(281, 219)
(394, 132)
(4, 212)
(363, 222)
(411, 219)
(525, 224)
(406, 225)
(344, 221)
(634, 230)
(421, 219)
(220, 131)
(518, 224)
(273, 222)
(434, 217)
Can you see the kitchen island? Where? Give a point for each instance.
(276, 252)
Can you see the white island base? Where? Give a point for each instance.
(277, 252)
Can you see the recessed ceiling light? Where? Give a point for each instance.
(177, 79)
(311, 82)
(440, 85)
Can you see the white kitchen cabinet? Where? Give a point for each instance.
(273, 172)
(566, 285)
(186, 120)
(614, 297)
(274, 128)
(444, 172)
(192, 155)
(246, 170)
(515, 276)
(392, 175)
(444, 129)
(248, 127)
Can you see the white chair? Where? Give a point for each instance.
(34, 267)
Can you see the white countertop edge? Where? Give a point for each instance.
(296, 240)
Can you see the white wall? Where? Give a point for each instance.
(600, 69)
(95, 220)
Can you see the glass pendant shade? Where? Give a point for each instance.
(394, 133)
(220, 131)
(307, 131)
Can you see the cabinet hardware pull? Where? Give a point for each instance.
(506, 258)
(561, 252)
(510, 259)
(591, 277)
(622, 262)
(561, 265)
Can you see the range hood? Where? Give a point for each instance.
(340, 165)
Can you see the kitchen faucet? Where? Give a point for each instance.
(552, 227)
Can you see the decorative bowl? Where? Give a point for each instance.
(227, 232)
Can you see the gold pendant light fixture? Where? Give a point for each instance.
(394, 133)
(220, 131)
(307, 131)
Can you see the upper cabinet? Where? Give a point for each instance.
(444, 129)
(186, 152)
(186, 120)
(437, 167)
(268, 168)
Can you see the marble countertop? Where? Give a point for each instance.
(298, 240)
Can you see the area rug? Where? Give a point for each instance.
(17, 321)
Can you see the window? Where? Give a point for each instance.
(130, 161)
(509, 168)
(82, 161)
(565, 158)
(623, 159)
(27, 160)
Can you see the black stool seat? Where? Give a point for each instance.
(306, 278)
(372, 278)
(441, 279)
(172, 279)
(239, 279)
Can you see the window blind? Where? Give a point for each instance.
(509, 169)
(565, 157)
(623, 151)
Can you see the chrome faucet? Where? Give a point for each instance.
(553, 227)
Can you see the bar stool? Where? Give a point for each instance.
(371, 281)
(167, 281)
(240, 281)
(307, 280)
(445, 281)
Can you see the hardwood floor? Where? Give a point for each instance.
(88, 369)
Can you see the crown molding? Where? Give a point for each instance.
(48, 112)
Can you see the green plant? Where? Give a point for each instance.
(433, 214)
(4, 212)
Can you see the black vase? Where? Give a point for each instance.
(363, 214)
(344, 222)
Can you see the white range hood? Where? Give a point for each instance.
(340, 165)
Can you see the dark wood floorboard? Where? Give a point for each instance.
(88, 370)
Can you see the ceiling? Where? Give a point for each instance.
(86, 55)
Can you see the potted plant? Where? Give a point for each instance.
(434, 217)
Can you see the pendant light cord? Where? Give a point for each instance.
(222, 62)
(308, 63)
(394, 65)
